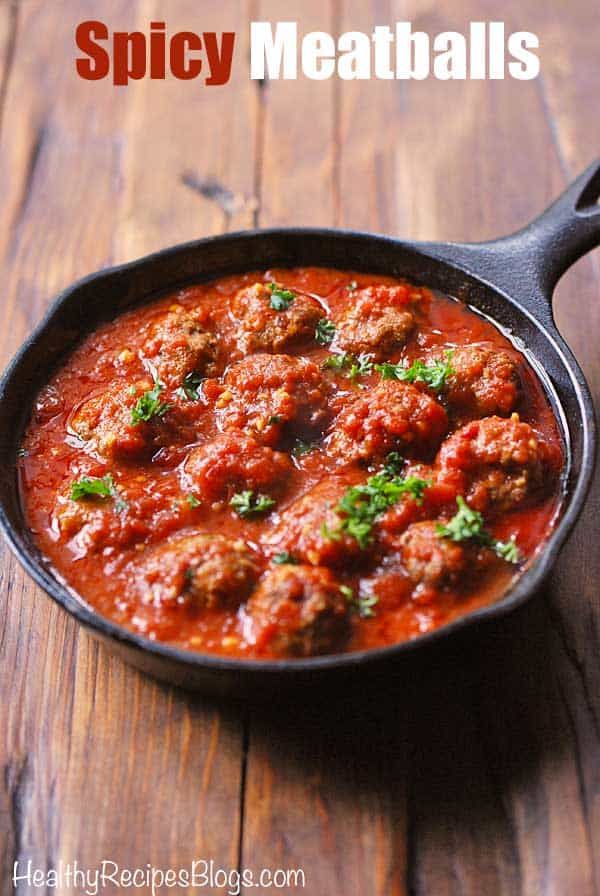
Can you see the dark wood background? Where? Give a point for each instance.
(478, 771)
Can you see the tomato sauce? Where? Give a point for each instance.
(174, 474)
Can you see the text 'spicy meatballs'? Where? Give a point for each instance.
(303, 527)
(233, 462)
(496, 463)
(430, 560)
(269, 395)
(205, 571)
(377, 322)
(298, 611)
(483, 381)
(130, 423)
(392, 417)
(273, 318)
(179, 345)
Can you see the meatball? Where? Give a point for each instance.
(107, 421)
(303, 526)
(393, 416)
(298, 611)
(179, 345)
(232, 462)
(484, 381)
(264, 328)
(270, 395)
(92, 524)
(431, 560)
(207, 571)
(496, 463)
(377, 323)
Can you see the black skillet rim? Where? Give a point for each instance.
(524, 587)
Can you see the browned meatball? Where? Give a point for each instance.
(178, 345)
(208, 571)
(393, 416)
(484, 381)
(264, 328)
(298, 611)
(270, 395)
(107, 422)
(378, 322)
(232, 462)
(495, 462)
(302, 528)
(431, 560)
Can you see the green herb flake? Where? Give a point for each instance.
(360, 365)
(393, 463)
(281, 298)
(362, 505)
(283, 558)
(148, 406)
(192, 500)
(325, 331)
(92, 487)
(465, 524)
(190, 387)
(248, 504)
(337, 362)
(95, 487)
(275, 420)
(433, 375)
(300, 447)
(468, 525)
(508, 550)
(363, 603)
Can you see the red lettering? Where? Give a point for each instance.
(182, 66)
(129, 56)
(219, 62)
(97, 66)
(157, 50)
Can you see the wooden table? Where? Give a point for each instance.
(478, 770)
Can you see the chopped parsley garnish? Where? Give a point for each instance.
(274, 420)
(148, 406)
(281, 298)
(284, 557)
(190, 387)
(337, 362)
(362, 365)
(468, 525)
(393, 463)
(362, 505)
(248, 504)
(465, 524)
(192, 500)
(364, 604)
(359, 365)
(325, 331)
(433, 375)
(301, 447)
(96, 487)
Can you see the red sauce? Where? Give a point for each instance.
(174, 476)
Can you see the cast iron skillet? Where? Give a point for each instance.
(511, 280)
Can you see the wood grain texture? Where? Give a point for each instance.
(477, 768)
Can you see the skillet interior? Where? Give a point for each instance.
(106, 294)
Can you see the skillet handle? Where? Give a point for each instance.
(529, 263)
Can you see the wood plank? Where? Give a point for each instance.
(98, 761)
